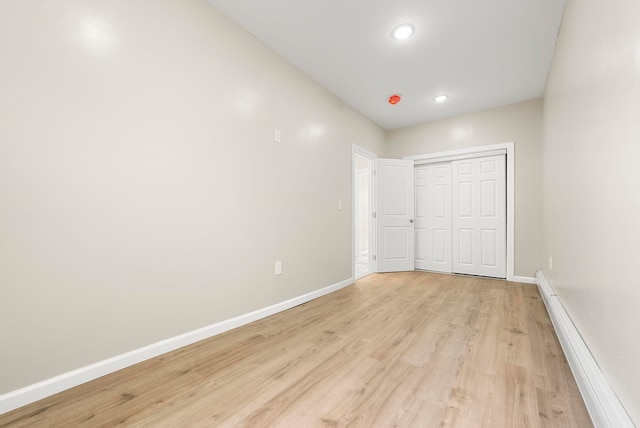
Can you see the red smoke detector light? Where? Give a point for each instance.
(394, 99)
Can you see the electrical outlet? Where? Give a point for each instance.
(550, 263)
(277, 136)
(339, 204)
(278, 268)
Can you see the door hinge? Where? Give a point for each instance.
(373, 257)
(374, 172)
(374, 215)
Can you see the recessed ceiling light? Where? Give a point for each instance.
(403, 31)
(441, 98)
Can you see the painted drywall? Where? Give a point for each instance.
(591, 148)
(520, 123)
(141, 192)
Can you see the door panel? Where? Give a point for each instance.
(441, 204)
(489, 241)
(465, 199)
(395, 239)
(440, 247)
(395, 211)
(433, 217)
(422, 242)
(465, 250)
(488, 198)
(479, 221)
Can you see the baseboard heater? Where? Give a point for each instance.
(603, 405)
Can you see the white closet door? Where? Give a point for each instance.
(394, 215)
(433, 218)
(479, 216)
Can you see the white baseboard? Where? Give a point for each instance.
(603, 405)
(524, 279)
(29, 394)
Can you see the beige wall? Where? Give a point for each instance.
(520, 123)
(141, 193)
(591, 147)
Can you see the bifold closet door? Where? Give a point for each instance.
(433, 218)
(479, 216)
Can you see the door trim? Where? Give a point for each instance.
(509, 147)
(355, 149)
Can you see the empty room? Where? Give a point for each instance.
(296, 213)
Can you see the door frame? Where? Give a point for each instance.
(355, 149)
(509, 147)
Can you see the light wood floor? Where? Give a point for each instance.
(411, 349)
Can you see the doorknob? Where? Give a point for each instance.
(410, 220)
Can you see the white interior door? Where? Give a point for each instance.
(479, 216)
(394, 215)
(433, 220)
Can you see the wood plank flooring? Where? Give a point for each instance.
(411, 349)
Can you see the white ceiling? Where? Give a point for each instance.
(482, 53)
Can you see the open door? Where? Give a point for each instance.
(363, 221)
(394, 215)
